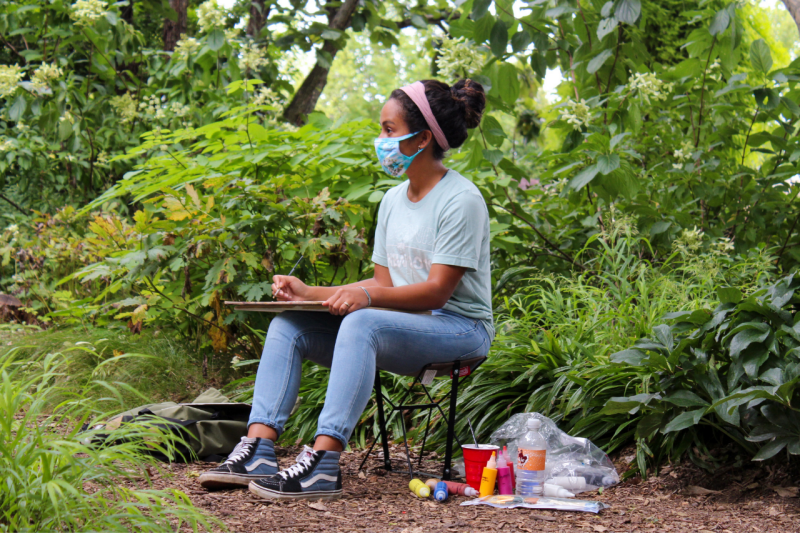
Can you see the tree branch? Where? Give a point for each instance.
(703, 94)
(18, 208)
(305, 99)
(793, 6)
(431, 19)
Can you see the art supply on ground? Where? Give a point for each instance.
(489, 476)
(475, 459)
(440, 493)
(419, 488)
(431, 483)
(503, 476)
(567, 456)
(531, 458)
(461, 489)
(539, 502)
(556, 491)
(568, 482)
(511, 468)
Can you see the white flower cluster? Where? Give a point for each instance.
(458, 57)
(577, 114)
(186, 47)
(210, 16)
(124, 106)
(266, 96)
(102, 159)
(178, 109)
(6, 145)
(251, 57)
(86, 12)
(22, 127)
(13, 229)
(684, 153)
(723, 246)
(649, 86)
(43, 75)
(688, 242)
(152, 107)
(9, 78)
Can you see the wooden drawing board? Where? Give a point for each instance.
(279, 307)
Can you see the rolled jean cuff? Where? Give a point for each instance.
(267, 422)
(335, 434)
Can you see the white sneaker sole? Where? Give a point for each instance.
(311, 495)
(220, 480)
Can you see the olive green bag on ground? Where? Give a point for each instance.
(210, 426)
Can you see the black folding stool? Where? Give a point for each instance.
(456, 370)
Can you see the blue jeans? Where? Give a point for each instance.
(351, 346)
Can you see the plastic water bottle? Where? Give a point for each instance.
(531, 457)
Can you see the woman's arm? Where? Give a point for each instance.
(290, 288)
(425, 296)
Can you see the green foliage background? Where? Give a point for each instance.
(662, 180)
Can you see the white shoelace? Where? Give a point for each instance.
(239, 451)
(304, 461)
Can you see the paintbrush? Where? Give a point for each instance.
(293, 269)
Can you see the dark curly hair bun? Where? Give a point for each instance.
(470, 94)
(456, 109)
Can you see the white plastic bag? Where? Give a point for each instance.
(567, 456)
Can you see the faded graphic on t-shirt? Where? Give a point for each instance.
(411, 247)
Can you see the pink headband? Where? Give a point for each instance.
(416, 91)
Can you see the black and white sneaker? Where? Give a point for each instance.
(316, 476)
(251, 459)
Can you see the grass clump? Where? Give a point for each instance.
(54, 479)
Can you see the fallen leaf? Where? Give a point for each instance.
(318, 506)
(694, 490)
(786, 492)
(600, 529)
(704, 531)
(752, 486)
(361, 475)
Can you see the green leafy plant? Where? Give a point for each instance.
(713, 376)
(55, 480)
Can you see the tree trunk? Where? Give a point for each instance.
(305, 99)
(258, 17)
(127, 13)
(173, 30)
(794, 8)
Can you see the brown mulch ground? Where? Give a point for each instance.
(681, 498)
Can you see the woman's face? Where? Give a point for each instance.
(394, 125)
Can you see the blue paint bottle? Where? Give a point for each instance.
(440, 493)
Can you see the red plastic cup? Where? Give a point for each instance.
(475, 459)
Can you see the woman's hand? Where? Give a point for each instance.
(346, 300)
(289, 289)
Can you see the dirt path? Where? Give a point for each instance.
(680, 499)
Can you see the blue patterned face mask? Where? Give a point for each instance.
(393, 161)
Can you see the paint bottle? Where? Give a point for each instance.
(489, 476)
(461, 489)
(419, 488)
(503, 476)
(431, 483)
(568, 482)
(557, 491)
(440, 494)
(510, 467)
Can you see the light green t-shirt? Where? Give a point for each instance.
(449, 226)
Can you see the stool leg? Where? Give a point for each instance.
(451, 425)
(387, 463)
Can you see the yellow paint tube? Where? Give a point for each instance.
(489, 477)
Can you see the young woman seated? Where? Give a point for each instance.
(431, 254)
